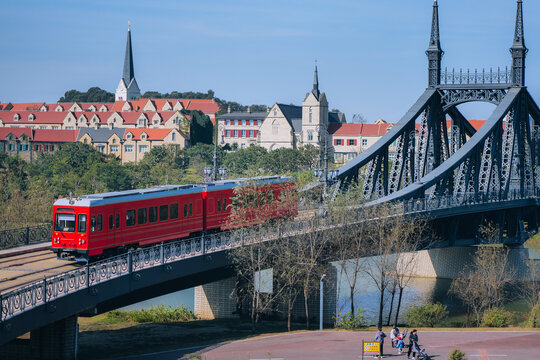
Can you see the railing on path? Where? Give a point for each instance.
(25, 236)
(50, 288)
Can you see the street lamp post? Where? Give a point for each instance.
(215, 168)
(321, 302)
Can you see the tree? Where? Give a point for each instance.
(481, 285)
(201, 128)
(94, 94)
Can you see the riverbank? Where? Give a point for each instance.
(101, 339)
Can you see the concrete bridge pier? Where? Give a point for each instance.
(218, 300)
(55, 341)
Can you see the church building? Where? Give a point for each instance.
(127, 88)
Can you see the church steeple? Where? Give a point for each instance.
(315, 90)
(127, 88)
(434, 51)
(518, 49)
(128, 59)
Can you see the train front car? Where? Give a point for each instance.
(70, 229)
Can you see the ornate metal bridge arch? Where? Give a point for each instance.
(426, 155)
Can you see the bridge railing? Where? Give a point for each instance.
(476, 77)
(25, 236)
(453, 201)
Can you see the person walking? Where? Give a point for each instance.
(380, 338)
(413, 344)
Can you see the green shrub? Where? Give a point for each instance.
(348, 322)
(156, 314)
(426, 316)
(534, 317)
(497, 318)
(456, 354)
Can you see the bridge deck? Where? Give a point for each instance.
(21, 269)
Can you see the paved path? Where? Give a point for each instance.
(338, 345)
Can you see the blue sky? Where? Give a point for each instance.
(371, 53)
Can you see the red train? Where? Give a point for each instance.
(104, 224)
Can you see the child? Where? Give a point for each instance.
(399, 344)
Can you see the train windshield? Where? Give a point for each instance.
(64, 222)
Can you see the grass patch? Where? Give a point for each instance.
(154, 314)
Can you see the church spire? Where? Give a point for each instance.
(434, 51)
(315, 90)
(128, 60)
(127, 88)
(518, 49)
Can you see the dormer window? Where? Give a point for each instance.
(143, 136)
(16, 117)
(31, 117)
(129, 136)
(156, 122)
(114, 141)
(141, 122)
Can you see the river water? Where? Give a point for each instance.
(420, 291)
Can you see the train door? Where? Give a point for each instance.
(116, 232)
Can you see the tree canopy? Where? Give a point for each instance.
(94, 94)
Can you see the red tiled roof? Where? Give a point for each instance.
(153, 134)
(27, 106)
(207, 106)
(17, 132)
(358, 129)
(41, 117)
(46, 135)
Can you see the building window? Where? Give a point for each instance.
(52, 147)
(310, 135)
(143, 148)
(129, 136)
(243, 146)
(156, 122)
(250, 122)
(243, 133)
(235, 122)
(351, 142)
(227, 133)
(128, 148)
(364, 142)
(244, 122)
(100, 148)
(250, 133)
(143, 136)
(310, 114)
(228, 122)
(31, 117)
(16, 117)
(235, 133)
(259, 122)
(339, 142)
(114, 148)
(141, 122)
(173, 136)
(275, 112)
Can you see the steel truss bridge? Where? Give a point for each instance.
(456, 175)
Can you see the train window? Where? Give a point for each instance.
(152, 214)
(130, 217)
(224, 205)
(93, 223)
(190, 209)
(164, 212)
(117, 221)
(141, 216)
(262, 199)
(234, 203)
(219, 205)
(253, 200)
(111, 222)
(174, 211)
(270, 195)
(185, 210)
(82, 223)
(99, 222)
(64, 222)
